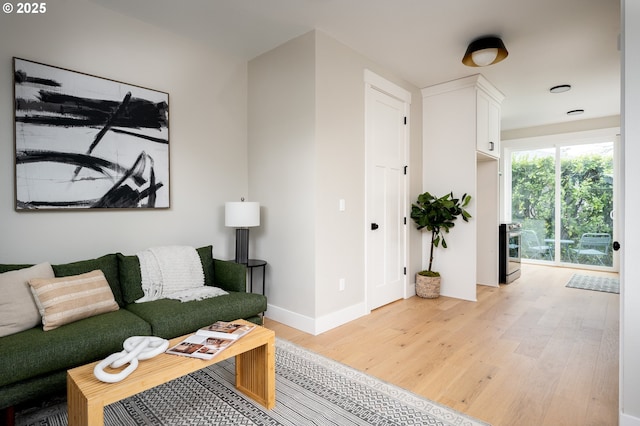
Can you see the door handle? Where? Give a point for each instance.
(374, 226)
(616, 245)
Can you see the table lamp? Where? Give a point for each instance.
(242, 215)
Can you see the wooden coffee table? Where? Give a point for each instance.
(255, 377)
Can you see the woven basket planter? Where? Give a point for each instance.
(427, 287)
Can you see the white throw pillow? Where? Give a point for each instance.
(18, 310)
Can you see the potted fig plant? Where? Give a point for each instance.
(436, 215)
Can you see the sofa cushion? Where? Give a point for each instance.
(171, 318)
(35, 352)
(5, 267)
(18, 310)
(68, 299)
(131, 279)
(230, 276)
(108, 264)
(206, 256)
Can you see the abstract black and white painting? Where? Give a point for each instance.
(86, 142)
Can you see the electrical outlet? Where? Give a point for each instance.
(341, 284)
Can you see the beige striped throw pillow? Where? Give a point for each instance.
(64, 300)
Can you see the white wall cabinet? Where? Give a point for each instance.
(461, 146)
(487, 123)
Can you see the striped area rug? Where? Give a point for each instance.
(310, 390)
(595, 283)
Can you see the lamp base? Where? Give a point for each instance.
(242, 245)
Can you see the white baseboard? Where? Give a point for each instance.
(457, 296)
(627, 420)
(290, 318)
(489, 284)
(343, 316)
(410, 289)
(319, 325)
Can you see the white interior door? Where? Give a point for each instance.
(386, 134)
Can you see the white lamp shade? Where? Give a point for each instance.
(241, 214)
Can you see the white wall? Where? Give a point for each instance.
(630, 289)
(340, 174)
(281, 170)
(207, 96)
(309, 244)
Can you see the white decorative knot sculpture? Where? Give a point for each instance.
(136, 348)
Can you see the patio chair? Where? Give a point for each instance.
(531, 247)
(593, 245)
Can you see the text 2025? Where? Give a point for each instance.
(31, 8)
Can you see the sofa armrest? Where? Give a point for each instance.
(229, 275)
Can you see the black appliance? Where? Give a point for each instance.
(509, 253)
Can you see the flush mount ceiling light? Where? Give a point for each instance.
(485, 51)
(575, 112)
(560, 89)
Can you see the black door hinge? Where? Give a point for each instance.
(405, 121)
(405, 220)
(405, 270)
(405, 169)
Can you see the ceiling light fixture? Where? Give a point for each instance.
(575, 112)
(561, 88)
(485, 51)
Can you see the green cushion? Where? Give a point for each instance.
(34, 352)
(131, 280)
(206, 257)
(13, 266)
(108, 264)
(229, 275)
(171, 318)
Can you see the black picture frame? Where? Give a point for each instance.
(86, 142)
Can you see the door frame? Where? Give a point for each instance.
(373, 81)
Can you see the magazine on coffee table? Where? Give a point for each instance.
(203, 347)
(226, 330)
(211, 340)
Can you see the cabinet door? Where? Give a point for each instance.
(494, 128)
(487, 125)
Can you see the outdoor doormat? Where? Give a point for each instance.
(595, 283)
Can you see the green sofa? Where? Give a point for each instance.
(33, 363)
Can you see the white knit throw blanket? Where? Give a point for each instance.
(173, 272)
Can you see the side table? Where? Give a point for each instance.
(251, 265)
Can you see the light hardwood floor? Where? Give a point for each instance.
(529, 353)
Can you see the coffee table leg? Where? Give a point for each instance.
(80, 411)
(256, 374)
